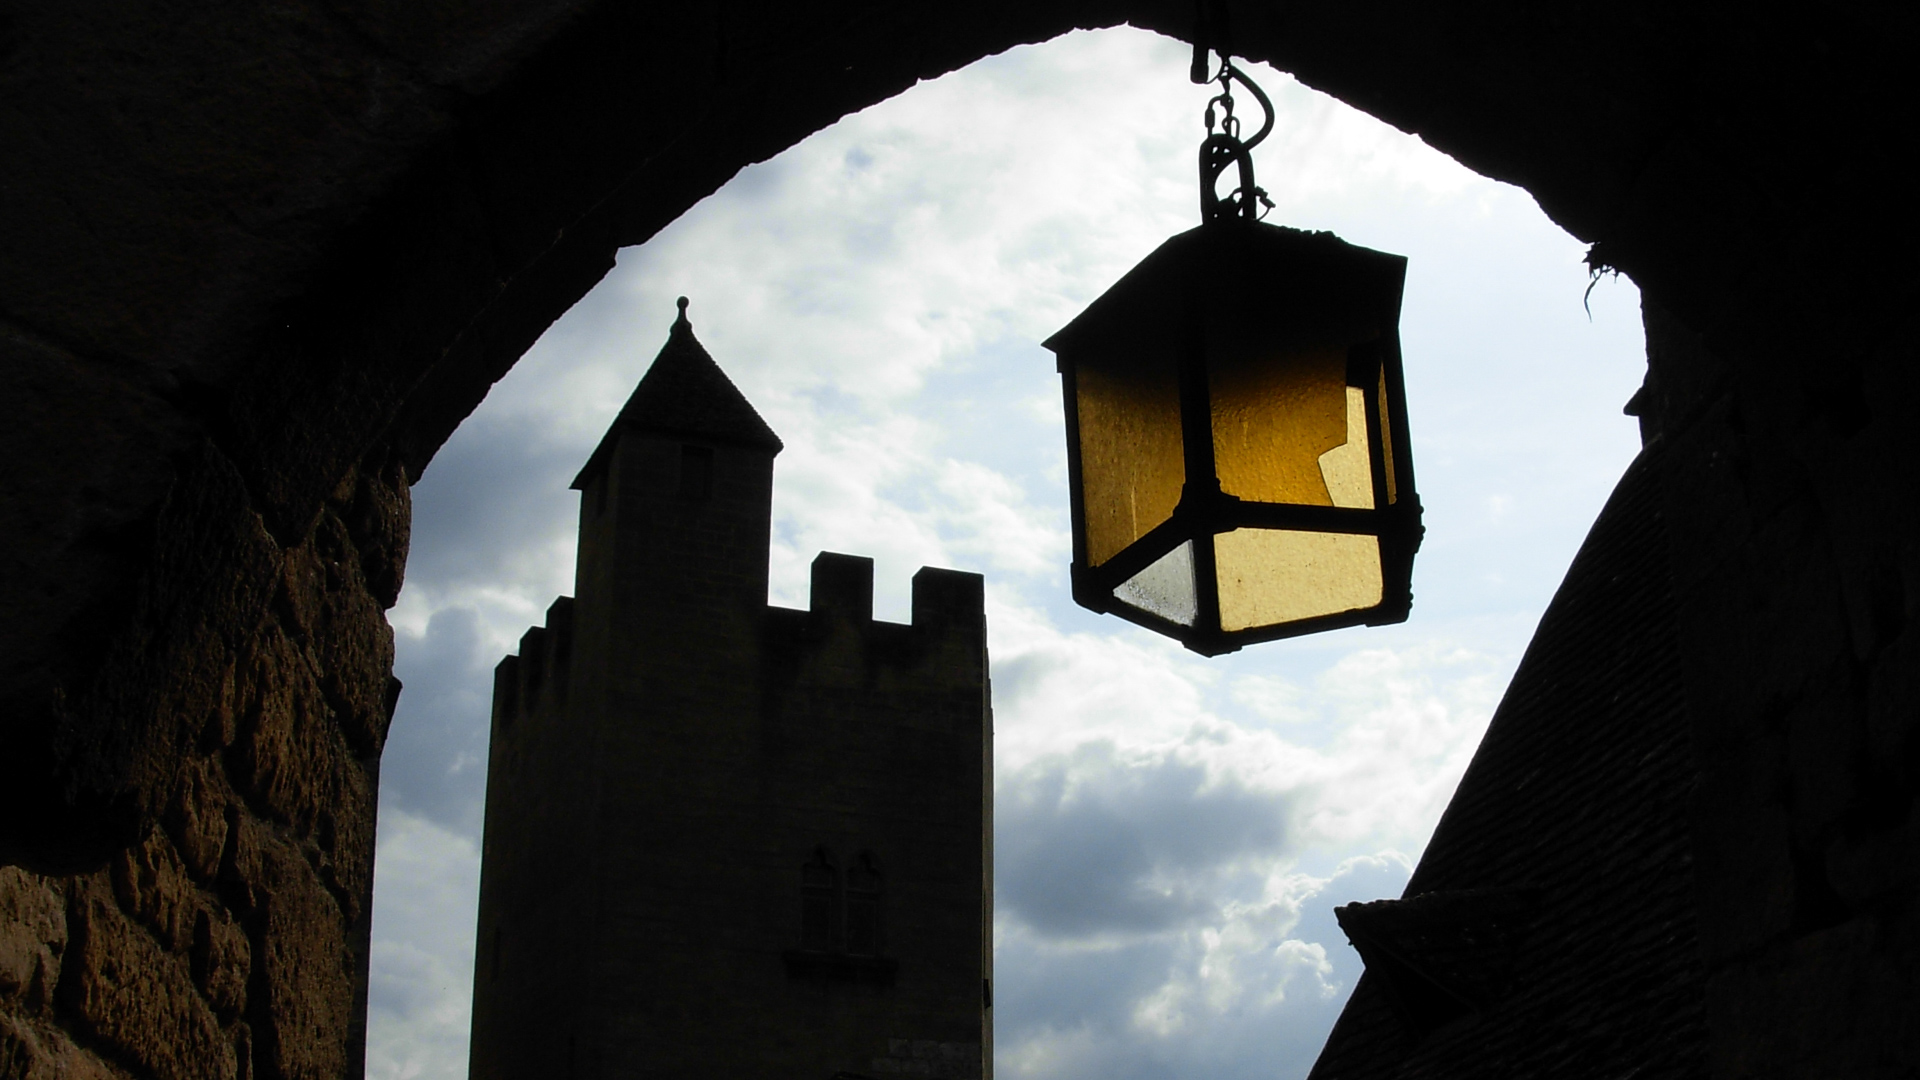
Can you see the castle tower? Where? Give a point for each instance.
(724, 838)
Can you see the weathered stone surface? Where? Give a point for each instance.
(1814, 1009)
(40, 1051)
(305, 1005)
(339, 624)
(243, 1051)
(33, 938)
(288, 749)
(152, 885)
(135, 997)
(197, 820)
(929, 1058)
(222, 960)
(379, 516)
(102, 447)
(293, 759)
(118, 741)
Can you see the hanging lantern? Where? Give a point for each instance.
(1236, 425)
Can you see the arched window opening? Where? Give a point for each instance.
(842, 935)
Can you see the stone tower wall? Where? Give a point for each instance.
(538, 791)
(849, 734)
(670, 751)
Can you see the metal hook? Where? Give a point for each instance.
(1225, 146)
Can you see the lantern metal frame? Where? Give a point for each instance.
(1232, 285)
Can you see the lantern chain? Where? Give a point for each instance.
(1223, 145)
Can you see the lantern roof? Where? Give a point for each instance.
(1274, 286)
(685, 393)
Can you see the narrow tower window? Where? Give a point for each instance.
(863, 906)
(696, 473)
(818, 884)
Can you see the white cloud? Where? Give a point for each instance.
(423, 919)
(1245, 993)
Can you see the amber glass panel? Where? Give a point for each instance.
(1165, 587)
(1386, 441)
(1131, 464)
(1273, 416)
(1347, 469)
(1272, 576)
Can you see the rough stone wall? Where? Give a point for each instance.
(211, 920)
(1791, 498)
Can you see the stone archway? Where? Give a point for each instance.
(256, 268)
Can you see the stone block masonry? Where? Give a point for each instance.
(212, 920)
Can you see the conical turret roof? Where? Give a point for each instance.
(684, 393)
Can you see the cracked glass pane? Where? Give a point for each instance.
(1273, 419)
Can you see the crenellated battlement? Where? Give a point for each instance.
(834, 667)
(838, 637)
(842, 589)
(539, 672)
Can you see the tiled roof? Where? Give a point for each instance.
(1549, 928)
(685, 393)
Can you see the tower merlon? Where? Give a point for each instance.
(506, 692)
(520, 681)
(533, 667)
(843, 587)
(560, 640)
(945, 597)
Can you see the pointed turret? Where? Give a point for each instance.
(684, 394)
(676, 508)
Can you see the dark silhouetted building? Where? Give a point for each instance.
(1550, 928)
(725, 839)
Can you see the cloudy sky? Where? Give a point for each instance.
(1173, 832)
